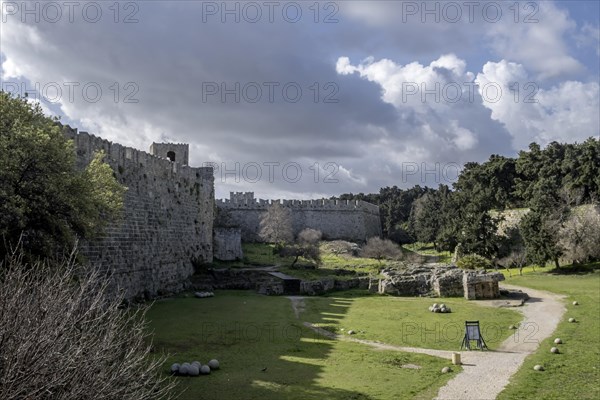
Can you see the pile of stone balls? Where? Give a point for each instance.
(202, 295)
(439, 308)
(194, 368)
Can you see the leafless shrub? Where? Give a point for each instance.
(63, 337)
(516, 259)
(276, 225)
(580, 234)
(309, 236)
(381, 249)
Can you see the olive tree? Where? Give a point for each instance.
(306, 246)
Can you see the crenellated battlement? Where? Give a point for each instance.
(246, 200)
(87, 144)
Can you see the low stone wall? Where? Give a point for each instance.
(265, 283)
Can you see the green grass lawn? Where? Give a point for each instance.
(406, 321)
(247, 332)
(575, 373)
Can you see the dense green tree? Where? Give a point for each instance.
(45, 203)
(475, 228)
(426, 218)
(540, 231)
(491, 183)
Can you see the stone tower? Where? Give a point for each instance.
(177, 152)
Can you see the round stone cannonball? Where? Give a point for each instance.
(512, 327)
(538, 368)
(430, 308)
(445, 370)
(443, 309)
(197, 364)
(205, 370)
(193, 370)
(443, 306)
(213, 364)
(175, 368)
(575, 303)
(558, 341)
(571, 319)
(554, 350)
(448, 310)
(435, 305)
(184, 369)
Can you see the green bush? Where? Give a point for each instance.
(474, 261)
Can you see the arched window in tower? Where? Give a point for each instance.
(171, 155)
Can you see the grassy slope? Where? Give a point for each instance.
(258, 331)
(427, 249)
(406, 321)
(575, 373)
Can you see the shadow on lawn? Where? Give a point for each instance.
(576, 269)
(264, 351)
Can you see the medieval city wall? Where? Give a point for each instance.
(337, 219)
(167, 221)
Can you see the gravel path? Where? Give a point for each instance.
(485, 373)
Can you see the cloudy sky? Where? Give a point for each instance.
(308, 99)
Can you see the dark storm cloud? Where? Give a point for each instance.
(176, 60)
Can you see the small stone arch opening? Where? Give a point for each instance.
(171, 155)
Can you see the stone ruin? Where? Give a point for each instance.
(440, 281)
(414, 280)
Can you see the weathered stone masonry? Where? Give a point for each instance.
(167, 222)
(336, 219)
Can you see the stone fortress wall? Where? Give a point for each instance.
(350, 220)
(167, 222)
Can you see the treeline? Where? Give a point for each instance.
(550, 182)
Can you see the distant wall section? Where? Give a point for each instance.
(336, 219)
(167, 222)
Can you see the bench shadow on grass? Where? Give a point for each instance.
(265, 352)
